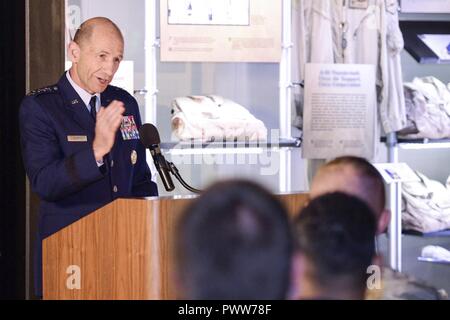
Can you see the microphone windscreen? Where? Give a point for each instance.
(149, 135)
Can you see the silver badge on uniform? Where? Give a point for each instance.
(134, 157)
(129, 129)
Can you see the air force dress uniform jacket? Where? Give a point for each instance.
(57, 132)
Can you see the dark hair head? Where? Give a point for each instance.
(369, 182)
(336, 233)
(85, 31)
(234, 242)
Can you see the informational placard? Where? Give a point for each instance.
(124, 77)
(207, 12)
(221, 30)
(339, 111)
(425, 6)
(396, 172)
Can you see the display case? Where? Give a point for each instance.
(262, 88)
(425, 155)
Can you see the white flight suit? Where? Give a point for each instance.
(334, 31)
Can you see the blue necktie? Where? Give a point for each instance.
(93, 104)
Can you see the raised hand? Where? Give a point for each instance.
(108, 121)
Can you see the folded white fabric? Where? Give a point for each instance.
(428, 108)
(436, 253)
(426, 205)
(212, 118)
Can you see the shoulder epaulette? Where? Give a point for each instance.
(46, 90)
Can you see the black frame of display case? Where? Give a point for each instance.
(415, 46)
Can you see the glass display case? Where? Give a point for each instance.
(262, 88)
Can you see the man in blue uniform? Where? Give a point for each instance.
(80, 139)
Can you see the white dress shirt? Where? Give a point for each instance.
(86, 97)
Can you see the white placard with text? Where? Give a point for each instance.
(396, 172)
(221, 31)
(339, 111)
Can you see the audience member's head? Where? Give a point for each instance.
(235, 242)
(357, 177)
(335, 239)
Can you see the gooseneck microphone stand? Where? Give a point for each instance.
(176, 173)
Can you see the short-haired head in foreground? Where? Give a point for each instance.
(235, 242)
(335, 238)
(355, 176)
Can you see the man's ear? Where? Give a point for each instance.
(73, 52)
(383, 221)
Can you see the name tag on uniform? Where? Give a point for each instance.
(77, 138)
(129, 129)
(359, 4)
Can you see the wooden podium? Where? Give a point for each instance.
(124, 251)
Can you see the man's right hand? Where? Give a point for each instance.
(108, 121)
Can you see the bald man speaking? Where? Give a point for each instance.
(80, 138)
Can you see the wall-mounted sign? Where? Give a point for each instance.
(221, 30)
(207, 12)
(439, 44)
(425, 6)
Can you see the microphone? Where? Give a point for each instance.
(150, 139)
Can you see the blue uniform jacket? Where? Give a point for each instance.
(57, 132)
